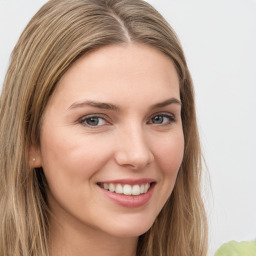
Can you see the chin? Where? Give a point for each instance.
(131, 227)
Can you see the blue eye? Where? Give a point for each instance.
(93, 121)
(162, 119)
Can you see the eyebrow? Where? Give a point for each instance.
(166, 103)
(95, 104)
(109, 106)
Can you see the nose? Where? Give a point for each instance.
(133, 150)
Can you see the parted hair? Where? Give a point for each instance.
(59, 33)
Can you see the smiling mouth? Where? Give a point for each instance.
(126, 189)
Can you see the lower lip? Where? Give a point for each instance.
(130, 201)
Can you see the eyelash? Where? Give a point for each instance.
(95, 116)
(170, 118)
(84, 120)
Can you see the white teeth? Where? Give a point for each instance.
(119, 189)
(136, 190)
(111, 187)
(126, 189)
(142, 189)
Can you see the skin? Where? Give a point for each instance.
(127, 142)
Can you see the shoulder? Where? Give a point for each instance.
(237, 249)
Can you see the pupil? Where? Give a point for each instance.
(158, 119)
(93, 121)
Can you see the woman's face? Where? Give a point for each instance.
(112, 140)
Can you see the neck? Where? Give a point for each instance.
(71, 239)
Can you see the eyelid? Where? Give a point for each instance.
(165, 114)
(83, 119)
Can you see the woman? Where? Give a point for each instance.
(100, 150)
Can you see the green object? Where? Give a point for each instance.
(237, 249)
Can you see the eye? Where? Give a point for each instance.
(93, 121)
(162, 119)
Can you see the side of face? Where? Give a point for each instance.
(112, 140)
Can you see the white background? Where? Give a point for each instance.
(219, 39)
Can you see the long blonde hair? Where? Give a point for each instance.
(56, 37)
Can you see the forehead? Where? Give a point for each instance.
(119, 70)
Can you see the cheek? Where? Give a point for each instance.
(168, 157)
(73, 158)
(170, 154)
(71, 161)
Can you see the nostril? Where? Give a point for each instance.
(134, 159)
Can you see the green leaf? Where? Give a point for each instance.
(237, 249)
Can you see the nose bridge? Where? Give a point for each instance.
(134, 150)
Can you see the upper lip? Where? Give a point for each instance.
(129, 181)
